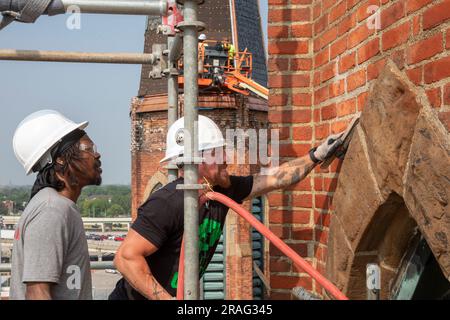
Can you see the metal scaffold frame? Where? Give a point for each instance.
(22, 11)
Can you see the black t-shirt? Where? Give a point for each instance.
(160, 220)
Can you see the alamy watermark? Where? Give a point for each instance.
(241, 147)
(73, 22)
(374, 20)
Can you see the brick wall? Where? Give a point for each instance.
(323, 57)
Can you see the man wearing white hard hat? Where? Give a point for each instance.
(148, 259)
(50, 257)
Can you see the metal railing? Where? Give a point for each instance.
(95, 265)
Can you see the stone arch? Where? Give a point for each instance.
(154, 181)
(394, 183)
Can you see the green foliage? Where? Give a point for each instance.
(20, 196)
(98, 201)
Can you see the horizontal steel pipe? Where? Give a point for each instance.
(84, 57)
(135, 7)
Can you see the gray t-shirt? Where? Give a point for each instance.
(50, 246)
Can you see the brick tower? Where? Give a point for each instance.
(238, 20)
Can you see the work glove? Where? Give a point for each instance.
(327, 148)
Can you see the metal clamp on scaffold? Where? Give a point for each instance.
(186, 24)
(188, 160)
(199, 2)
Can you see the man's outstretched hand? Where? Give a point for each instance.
(328, 147)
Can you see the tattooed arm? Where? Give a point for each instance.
(131, 263)
(281, 177)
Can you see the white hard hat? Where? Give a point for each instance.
(37, 134)
(202, 37)
(210, 137)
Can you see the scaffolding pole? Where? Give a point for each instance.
(82, 57)
(172, 93)
(190, 27)
(133, 7)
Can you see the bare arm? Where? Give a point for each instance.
(130, 261)
(38, 291)
(281, 177)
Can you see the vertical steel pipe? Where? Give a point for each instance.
(172, 94)
(191, 220)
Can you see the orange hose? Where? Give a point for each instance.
(277, 242)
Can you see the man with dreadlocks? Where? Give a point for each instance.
(50, 252)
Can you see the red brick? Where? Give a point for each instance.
(278, 31)
(289, 282)
(322, 201)
(321, 95)
(288, 47)
(416, 25)
(346, 24)
(396, 36)
(436, 15)
(317, 10)
(302, 133)
(322, 131)
(278, 265)
(347, 62)
(290, 116)
(329, 71)
(434, 96)
(369, 50)
(278, 295)
(321, 236)
(301, 1)
(300, 248)
(392, 14)
(302, 233)
(322, 57)
(414, 5)
(277, 64)
(359, 35)
(328, 112)
(415, 75)
(289, 216)
(294, 150)
(278, 199)
(362, 98)
(363, 12)
(302, 30)
(327, 4)
(338, 11)
(316, 115)
(337, 88)
(447, 94)
(301, 99)
(339, 126)
(318, 184)
(399, 58)
(289, 81)
(425, 49)
(374, 69)
(320, 24)
(284, 133)
(286, 15)
(447, 39)
(316, 78)
(352, 3)
(356, 80)
(338, 47)
(437, 70)
(302, 200)
(280, 231)
(301, 64)
(277, 100)
(346, 107)
(329, 184)
(328, 37)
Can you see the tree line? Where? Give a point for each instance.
(94, 201)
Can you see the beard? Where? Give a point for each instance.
(223, 178)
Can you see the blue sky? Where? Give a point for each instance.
(98, 93)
